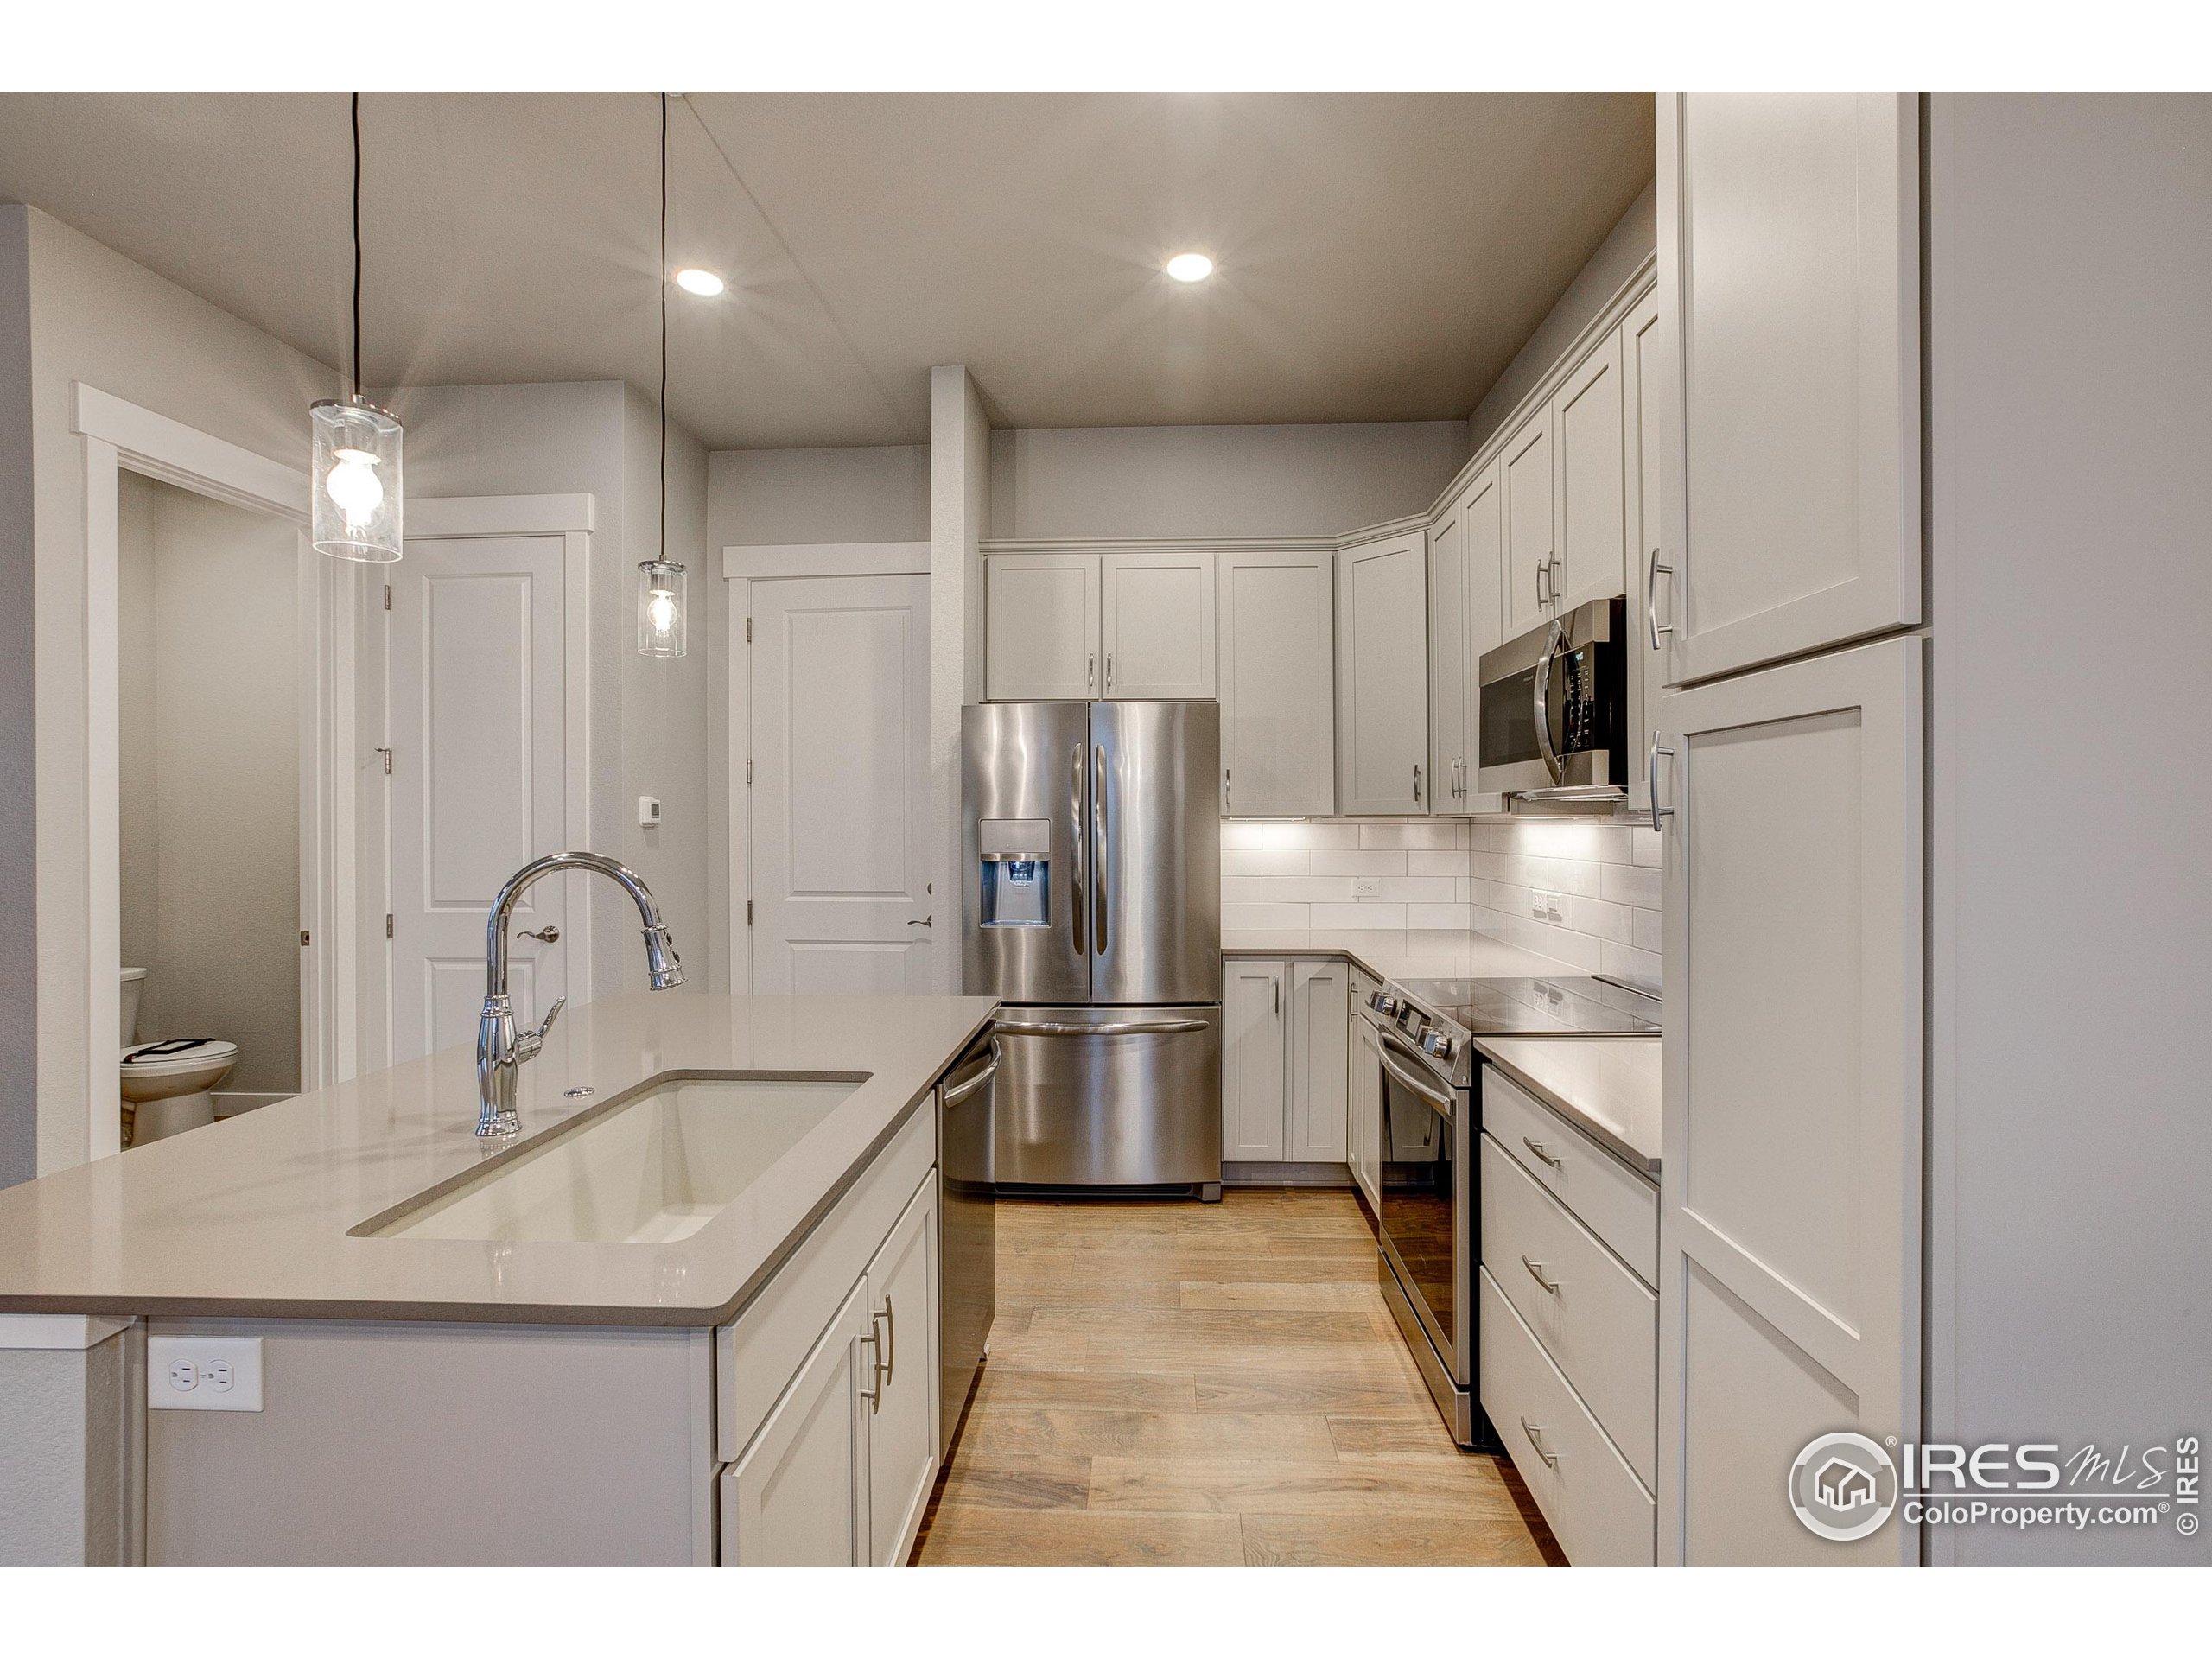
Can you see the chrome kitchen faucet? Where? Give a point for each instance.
(501, 1049)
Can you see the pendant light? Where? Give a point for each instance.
(354, 466)
(660, 579)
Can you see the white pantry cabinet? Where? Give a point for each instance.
(1789, 1260)
(1283, 1061)
(1382, 676)
(1278, 685)
(1590, 510)
(1648, 439)
(1072, 626)
(1788, 231)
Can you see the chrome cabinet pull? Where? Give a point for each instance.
(1536, 1272)
(1416, 782)
(1224, 789)
(889, 1347)
(1651, 779)
(1536, 1433)
(1109, 672)
(1537, 1147)
(1651, 600)
(875, 1396)
(548, 934)
(1098, 847)
(1278, 990)
(1075, 821)
(1090, 672)
(1542, 602)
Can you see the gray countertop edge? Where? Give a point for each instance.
(1644, 1165)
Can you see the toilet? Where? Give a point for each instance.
(166, 1085)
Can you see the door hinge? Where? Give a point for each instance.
(749, 630)
(303, 938)
(748, 769)
(387, 753)
(387, 595)
(387, 923)
(748, 912)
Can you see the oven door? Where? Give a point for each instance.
(1423, 1214)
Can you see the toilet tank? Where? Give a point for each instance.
(134, 982)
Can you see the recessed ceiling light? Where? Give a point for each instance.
(692, 280)
(1190, 267)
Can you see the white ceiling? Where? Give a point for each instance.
(1380, 256)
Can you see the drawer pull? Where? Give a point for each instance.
(1536, 1433)
(1536, 1273)
(1538, 1147)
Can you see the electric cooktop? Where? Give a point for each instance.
(1570, 1005)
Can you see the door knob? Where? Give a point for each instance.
(925, 921)
(547, 935)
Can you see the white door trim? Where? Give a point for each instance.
(120, 436)
(741, 566)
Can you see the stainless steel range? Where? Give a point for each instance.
(1428, 1218)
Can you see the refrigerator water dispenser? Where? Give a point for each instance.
(1016, 872)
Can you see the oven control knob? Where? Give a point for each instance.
(1384, 1004)
(1438, 1043)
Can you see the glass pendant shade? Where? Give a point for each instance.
(355, 477)
(660, 608)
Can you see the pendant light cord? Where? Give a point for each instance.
(357, 247)
(663, 326)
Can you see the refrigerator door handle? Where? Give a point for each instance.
(1075, 819)
(1099, 845)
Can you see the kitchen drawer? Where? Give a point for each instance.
(1605, 1195)
(1598, 1510)
(762, 1350)
(1598, 1323)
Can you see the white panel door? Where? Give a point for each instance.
(840, 831)
(1382, 676)
(799, 1495)
(1278, 685)
(1789, 1265)
(1251, 1060)
(1041, 627)
(1450, 768)
(1648, 444)
(1788, 224)
(479, 769)
(902, 1457)
(1156, 627)
(1589, 515)
(1315, 1117)
(1485, 514)
(1530, 506)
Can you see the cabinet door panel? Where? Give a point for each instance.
(1790, 1220)
(902, 1289)
(1485, 514)
(1648, 439)
(1041, 633)
(1252, 1053)
(1530, 504)
(1157, 626)
(798, 1495)
(1590, 511)
(1789, 225)
(1449, 669)
(1315, 1122)
(1382, 676)
(1278, 685)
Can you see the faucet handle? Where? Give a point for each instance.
(529, 1042)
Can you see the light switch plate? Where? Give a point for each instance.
(648, 812)
(1547, 906)
(203, 1373)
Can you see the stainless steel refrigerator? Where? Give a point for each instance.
(1092, 906)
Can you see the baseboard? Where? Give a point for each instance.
(1249, 1175)
(231, 1102)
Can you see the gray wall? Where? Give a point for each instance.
(1628, 244)
(1217, 480)
(2070, 1144)
(209, 778)
(18, 696)
(772, 497)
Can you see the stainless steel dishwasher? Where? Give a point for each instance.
(968, 1241)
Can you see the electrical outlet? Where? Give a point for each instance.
(1547, 906)
(1367, 886)
(203, 1373)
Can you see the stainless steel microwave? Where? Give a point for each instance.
(1553, 710)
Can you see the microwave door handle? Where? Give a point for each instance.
(1552, 641)
(1076, 821)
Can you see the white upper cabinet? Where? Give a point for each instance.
(1789, 234)
(1382, 676)
(1531, 554)
(1589, 512)
(1451, 671)
(1648, 444)
(1041, 628)
(1484, 513)
(1278, 685)
(1156, 636)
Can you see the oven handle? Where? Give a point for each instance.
(1117, 1028)
(1552, 640)
(1442, 1102)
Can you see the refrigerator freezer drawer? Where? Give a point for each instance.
(1109, 1097)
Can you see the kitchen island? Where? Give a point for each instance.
(442, 1372)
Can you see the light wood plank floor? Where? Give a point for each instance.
(1209, 1384)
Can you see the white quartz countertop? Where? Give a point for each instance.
(1404, 953)
(1607, 1086)
(249, 1215)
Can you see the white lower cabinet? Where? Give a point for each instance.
(799, 1496)
(1283, 1062)
(901, 1422)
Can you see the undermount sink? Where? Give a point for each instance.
(646, 1170)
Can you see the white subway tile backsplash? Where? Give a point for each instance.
(1246, 917)
(1358, 863)
(1368, 913)
(1629, 884)
(1436, 863)
(1438, 836)
(1309, 889)
(1242, 889)
(1269, 861)
(1243, 837)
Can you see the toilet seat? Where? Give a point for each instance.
(175, 1055)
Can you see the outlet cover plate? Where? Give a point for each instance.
(1367, 886)
(203, 1373)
